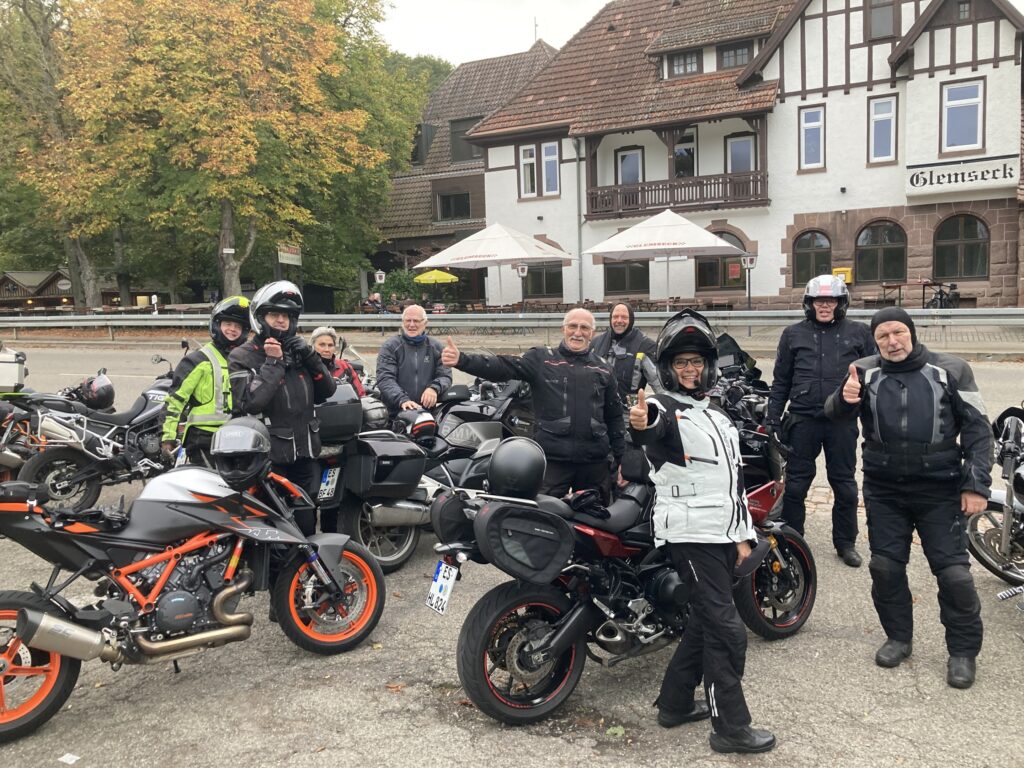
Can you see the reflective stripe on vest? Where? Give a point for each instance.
(219, 416)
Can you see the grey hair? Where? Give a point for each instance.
(593, 321)
(323, 330)
(414, 306)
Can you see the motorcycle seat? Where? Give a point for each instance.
(623, 513)
(120, 418)
(55, 403)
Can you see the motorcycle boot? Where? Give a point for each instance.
(893, 652)
(746, 740)
(668, 718)
(960, 672)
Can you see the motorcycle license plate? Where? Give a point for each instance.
(441, 588)
(328, 482)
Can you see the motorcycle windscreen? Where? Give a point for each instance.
(524, 542)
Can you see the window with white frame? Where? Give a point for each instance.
(739, 154)
(528, 171)
(963, 112)
(629, 165)
(812, 138)
(549, 155)
(882, 129)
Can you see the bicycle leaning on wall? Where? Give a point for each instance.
(942, 299)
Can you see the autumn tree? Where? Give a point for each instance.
(211, 117)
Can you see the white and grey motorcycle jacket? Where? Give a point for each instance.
(694, 449)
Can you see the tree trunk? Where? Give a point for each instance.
(124, 280)
(77, 292)
(90, 282)
(231, 263)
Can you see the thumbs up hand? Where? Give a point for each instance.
(638, 413)
(851, 389)
(450, 354)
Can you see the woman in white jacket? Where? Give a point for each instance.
(701, 517)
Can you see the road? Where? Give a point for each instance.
(397, 701)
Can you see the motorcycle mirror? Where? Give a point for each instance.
(155, 359)
(184, 343)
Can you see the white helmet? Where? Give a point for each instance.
(278, 296)
(826, 287)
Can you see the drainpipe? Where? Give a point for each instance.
(576, 142)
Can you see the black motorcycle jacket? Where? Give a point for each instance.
(621, 354)
(911, 419)
(405, 369)
(812, 359)
(578, 415)
(284, 393)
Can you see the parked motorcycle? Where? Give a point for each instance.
(169, 573)
(589, 581)
(83, 449)
(996, 536)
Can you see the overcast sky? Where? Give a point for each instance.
(466, 30)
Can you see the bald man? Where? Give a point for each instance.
(575, 400)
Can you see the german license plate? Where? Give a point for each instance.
(441, 588)
(328, 482)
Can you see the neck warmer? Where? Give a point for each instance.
(415, 340)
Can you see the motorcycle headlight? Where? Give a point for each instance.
(464, 437)
(449, 423)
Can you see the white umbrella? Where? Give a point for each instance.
(664, 236)
(495, 246)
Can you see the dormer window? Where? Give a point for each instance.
(735, 55)
(685, 63)
(963, 10)
(881, 19)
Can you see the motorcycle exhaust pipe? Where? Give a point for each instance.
(399, 512)
(10, 459)
(574, 625)
(46, 632)
(610, 637)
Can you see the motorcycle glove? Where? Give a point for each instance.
(300, 351)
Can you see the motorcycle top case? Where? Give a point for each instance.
(12, 370)
(383, 464)
(341, 415)
(524, 542)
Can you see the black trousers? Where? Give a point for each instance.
(806, 437)
(563, 475)
(714, 645)
(304, 473)
(895, 510)
(197, 446)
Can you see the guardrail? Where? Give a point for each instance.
(508, 322)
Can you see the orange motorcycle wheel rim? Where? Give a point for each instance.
(364, 581)
(49, 673)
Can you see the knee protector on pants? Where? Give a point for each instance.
(957, 585)
(887, 572)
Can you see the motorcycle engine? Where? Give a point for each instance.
(666, 590)
(176, 611)
(150, 444)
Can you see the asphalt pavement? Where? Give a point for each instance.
(396, 700)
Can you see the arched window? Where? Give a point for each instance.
(961, 248)
(881, 253)
(722, 272)
(812, 256)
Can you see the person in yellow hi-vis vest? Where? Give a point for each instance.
(201, 389)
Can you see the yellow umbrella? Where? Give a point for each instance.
(435, 277)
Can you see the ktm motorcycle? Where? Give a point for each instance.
(170, 571)
(589, 582)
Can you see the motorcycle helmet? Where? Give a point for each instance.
(375, 413)
(241, 452)
(826, 287)
(98, 391)
(278, 296)
(235, 308)
(517, 468)
(687, 331)
(416, 424)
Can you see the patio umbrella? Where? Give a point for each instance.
(495, 246)
(436, 277)
(664, 236)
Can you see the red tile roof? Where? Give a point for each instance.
(604, 79)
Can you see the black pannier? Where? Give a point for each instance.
(448, 518)
(341, 416)
(383, 464)
(524, 542)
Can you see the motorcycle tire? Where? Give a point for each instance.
(391, 547)
(54, 464)
(775, 605)
(327, 628)
(497, 680)
(35, 683)
(984, 532)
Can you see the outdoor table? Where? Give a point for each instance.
(888, 288)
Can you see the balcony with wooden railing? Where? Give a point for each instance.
(696, 193)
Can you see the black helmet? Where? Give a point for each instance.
(279, 296)
(517, 468)
(241, 452)
(98, 391)
(236, 309)
(826, 287)
(687, 331)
